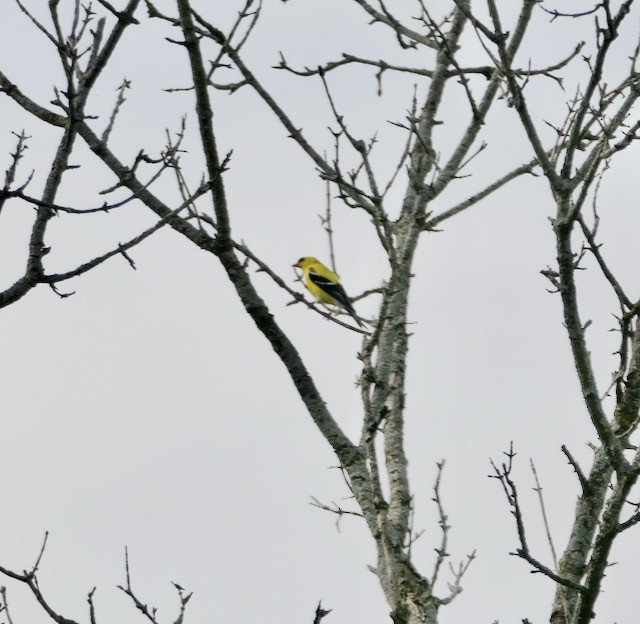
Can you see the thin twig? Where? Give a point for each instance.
(326, 223)
(545, 520)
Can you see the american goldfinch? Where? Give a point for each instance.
(325, 285)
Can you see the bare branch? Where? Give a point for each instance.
(594, 248)
(124, 247)
(519, 102)
(400, 30)
(503, 474)
(335, 509)
(555, 14)
(433, 222)
(10, 174)
(584, 483)
(92, 608)
(126, 84)
(441, 551)
(609, 35)
(455, 588)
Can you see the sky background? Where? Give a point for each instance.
(146, 410)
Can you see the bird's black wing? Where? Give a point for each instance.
(331, 288)
(336, 291)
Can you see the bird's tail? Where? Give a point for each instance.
(350, 309)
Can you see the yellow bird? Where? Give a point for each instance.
(325, 285)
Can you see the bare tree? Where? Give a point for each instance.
(597, 127)
(593, 132)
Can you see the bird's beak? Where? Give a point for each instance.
(297, 264)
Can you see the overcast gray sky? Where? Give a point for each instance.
(146, 410)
